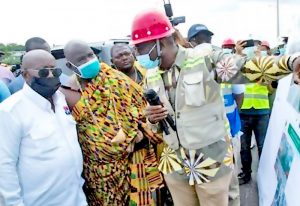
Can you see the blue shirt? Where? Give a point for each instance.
(16, 84)
(4, 91)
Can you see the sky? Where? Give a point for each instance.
(58, 21)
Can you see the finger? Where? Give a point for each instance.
(239, 42)
(158, 117)
(149, 108)
(157, 111)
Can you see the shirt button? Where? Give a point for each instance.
(178, 115)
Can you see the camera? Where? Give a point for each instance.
(169, 12)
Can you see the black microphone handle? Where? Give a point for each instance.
(164, 126)
(171, 122)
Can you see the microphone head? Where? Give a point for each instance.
(152, 97)
(150, 94)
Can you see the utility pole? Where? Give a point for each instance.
(278, 23)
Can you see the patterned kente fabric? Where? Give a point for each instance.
(108, 115)
(145, 176)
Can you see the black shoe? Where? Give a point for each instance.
(240, 174)
(244, 178)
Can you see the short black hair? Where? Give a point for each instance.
(33, 41)
(117, 46)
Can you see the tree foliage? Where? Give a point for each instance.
(9, 53)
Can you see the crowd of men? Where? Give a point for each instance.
(99, 142)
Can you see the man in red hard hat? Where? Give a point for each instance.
(228, 46)
(197, 159)
(265, 49)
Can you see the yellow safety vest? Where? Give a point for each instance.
(256, 96)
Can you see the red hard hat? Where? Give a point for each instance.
(265, 43)
(227, 42)
(150, 25)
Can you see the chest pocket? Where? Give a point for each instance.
(194, 89)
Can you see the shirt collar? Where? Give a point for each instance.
(38, 100)
(180, 57)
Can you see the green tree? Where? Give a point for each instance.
(9, 50)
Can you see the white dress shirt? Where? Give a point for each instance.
(40, 157)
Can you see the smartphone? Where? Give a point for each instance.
(249, 43)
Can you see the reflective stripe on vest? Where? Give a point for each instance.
(256, 96)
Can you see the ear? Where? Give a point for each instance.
(25, 74)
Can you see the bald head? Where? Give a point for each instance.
(34, 61)
(36, 43)
(78, 52)
(37, 58)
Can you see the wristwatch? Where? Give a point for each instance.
(292, 60)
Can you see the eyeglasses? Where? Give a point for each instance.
(56, 72)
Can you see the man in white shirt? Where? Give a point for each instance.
(40, 158)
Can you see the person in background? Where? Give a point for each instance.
(228, 46)
(1, 56)
(123, 60)
(40, 157)
(254, 114)
(199, 34)
(4, 91)
(31, 44)
(6, 75)
(110, 123)
(143, 163)
(265, 49)
(233, 95)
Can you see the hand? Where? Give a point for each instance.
(296, 68)
(139, 136)
(156, 113)
(181, 40)
(239, 46)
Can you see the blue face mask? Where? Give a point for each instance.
(250, 52)
(89, 69)
(282, 51)
(146, 62)
(263, 53)
(227, 51)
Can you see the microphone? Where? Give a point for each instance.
(154, 100)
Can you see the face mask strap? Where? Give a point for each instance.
(73, 65)
(158, 49)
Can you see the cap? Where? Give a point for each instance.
(196, 28)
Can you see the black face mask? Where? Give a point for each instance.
(46, 87)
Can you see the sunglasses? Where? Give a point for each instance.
(56, 72)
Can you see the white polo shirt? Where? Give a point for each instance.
(40, 157)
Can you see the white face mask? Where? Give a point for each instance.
(249, 52)
(145, 60)
(227, 51)
(263, 53)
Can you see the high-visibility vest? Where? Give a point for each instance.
(231, 109)
(256, 96)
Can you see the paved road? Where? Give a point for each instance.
(248, 192)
